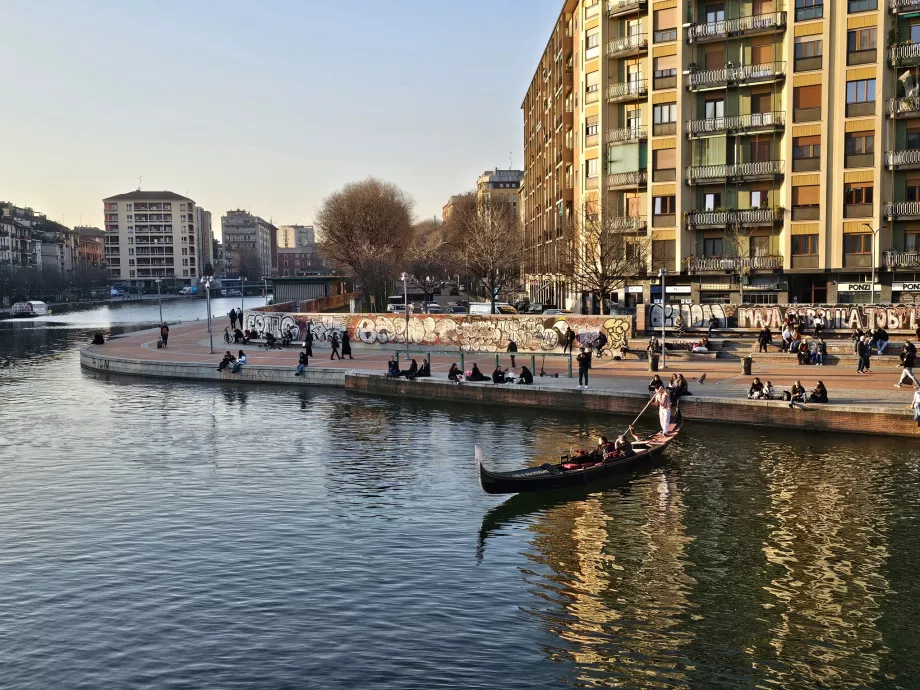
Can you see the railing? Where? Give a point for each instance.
(632, 88)
(748, 216)
(806, 114)
(895, 259)
(628, 223)
(902, 209)
(696, 173)
(895, 159)
(626, 134)
(626, 44)
(904, 53)
(736, 123)
(729, 75)
(735, 264)
(728, 27)
(615, 7)
(899, 106)
(634, 178)
(896, 6)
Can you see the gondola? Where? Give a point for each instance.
(547, 477)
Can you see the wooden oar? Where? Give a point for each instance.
(643, 411)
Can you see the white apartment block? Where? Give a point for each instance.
(242, 231)
(292, 236)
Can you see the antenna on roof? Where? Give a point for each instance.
(140, 180)
(509, 160)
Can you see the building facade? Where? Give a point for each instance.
(768, 151)
(500, 185)
(149, 236)
(91, 248)
(299, 261)
(291, 236)
(243, 233)
(205, 238)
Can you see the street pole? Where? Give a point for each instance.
(662, 273)
(872, 257)
(405, 278)
(265, 288)
(207, 288)
(159, 300)
(242, 293)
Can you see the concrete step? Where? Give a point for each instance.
(877, 362)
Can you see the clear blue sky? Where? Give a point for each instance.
(266, 105)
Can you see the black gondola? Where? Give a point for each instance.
(548, 477)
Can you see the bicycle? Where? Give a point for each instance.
(227, 337)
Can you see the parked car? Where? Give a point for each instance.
(456, 309)
(486, 308)
(556, 312)
(117, 292)
(454, 292)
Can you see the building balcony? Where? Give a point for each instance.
(663, 129)
(632, 90)
(627, 45)
(616, 8)
(862, 57)
(895, 259)
(858, 160)
(748, 217)
(808, 64)
(806, 114)
(626, 180)
(812, 212)
(858, 210)
(742, 26)
(628, 224)
(903, 160)
(739, 172)
(626, 135)
(904, 107)
(701, 80)
(902, 210)
(898, 6)
(734, 264)
(806, 164)
(906, 54)
(737, 124)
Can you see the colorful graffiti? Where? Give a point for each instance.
(464, 332)
(692, 315)
(840, 317)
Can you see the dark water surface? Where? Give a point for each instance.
(167, 534)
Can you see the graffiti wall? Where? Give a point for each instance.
(692, 315)
(461, 331)
(840, 317)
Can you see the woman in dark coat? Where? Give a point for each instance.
(346, 346)
(308, 342)
(335, 346)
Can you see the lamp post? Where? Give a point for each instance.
(405, 279)
(872, 257)
(206, 281)
(662, 274)
(265, 288)
(242, 293)
(159, 300)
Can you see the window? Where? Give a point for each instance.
(664, 113)
(861, 46)
(806, 202)
(808, 9)
(859, 142)
(714, 109)
(808, 51)
(591, 167)
(712, 201)
(857, 199)
(857, 244)
(591, 129)
(804, 245)
(666, 66)
(592, 44)
(760, 198)
(860, 97)
(592, 81)
(806, 103)
(912, 242)
(664, 205)
(913, 139)
(912, 190)
(759, 246)
(806, 153)
(861, 5)
(664, 165)
(665, 25)
(715, 13)
(712, 247)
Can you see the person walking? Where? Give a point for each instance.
(908, 359)
(512, 350)
(568, 340)
(233, 319)
(164, 334)
(915, 404)
(239, 316)
(862, 352)
(662, 398)
(335, 346)
(584, 363)
(346, 346)
(764, 339)
(308, 342)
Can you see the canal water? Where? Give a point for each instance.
(171, 534)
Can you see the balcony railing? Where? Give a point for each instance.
(902, 159)
(700, 174)
(628, 223)
(747, 216)
(736, 123)
(626, 135)
(627, 90)
(715, 78)
(904, 54)
(806, 114)
(734, 264)
(896, 6)
(899, 210)
(633, 178)
(904, 107)
(895, 259)
(627, 44)
(757, 23)
(617, 7)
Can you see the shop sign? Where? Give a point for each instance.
(905, 287)
(857, 287)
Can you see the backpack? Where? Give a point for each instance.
(787, 396)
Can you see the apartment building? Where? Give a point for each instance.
(151, 235)
(205, 237)
(293, 236)
(91, 247)
(500, 185)
(769, 151)
(244, 233)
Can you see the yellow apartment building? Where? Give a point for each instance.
(770, 151)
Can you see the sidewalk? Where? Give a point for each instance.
(189, 343)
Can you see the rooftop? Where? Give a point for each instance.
(138, 195)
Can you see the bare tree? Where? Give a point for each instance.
(247, 263)
(604, 251)
(428, 257)
(365, 230)
(488, 243)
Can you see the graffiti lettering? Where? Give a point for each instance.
(842, 317)
(692, 315)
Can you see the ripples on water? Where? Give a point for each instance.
(167, 534)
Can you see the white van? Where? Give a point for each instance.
(486, 308)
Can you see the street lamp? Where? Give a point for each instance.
(206, 281)
(265, 288)
(662, 274)
(242, 293)
(405, 279)
(159, 300)
(872, 256)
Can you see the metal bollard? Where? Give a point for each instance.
(462, 365)
(570, 365)
(746, 363)
(533, 364)
(496, 361)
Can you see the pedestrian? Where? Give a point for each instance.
(764, 339)
(662, 398)
(335, 346)
(713, 322)
(908, 359)
(302, 363)
(239, 316)
(569, 340)
(164, 334)
(862, 352)
(915, 404)
(240, 361)
(584, 363)
(308, 343)
(346, 346)
(512, 349)
(233, 319)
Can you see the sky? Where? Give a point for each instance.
(268, 106)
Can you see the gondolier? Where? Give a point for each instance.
(663, 399)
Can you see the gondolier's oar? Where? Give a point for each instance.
(641, 413)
